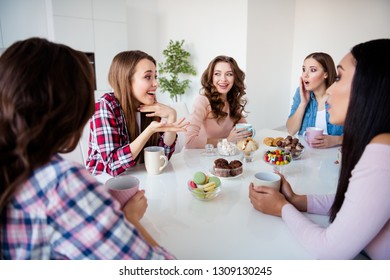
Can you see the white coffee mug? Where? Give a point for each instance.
(155, 159)
(311, 133)
(122, 188)
(268, 179)
(248, 127)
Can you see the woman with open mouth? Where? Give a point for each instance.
(130, 118)
(309, 108)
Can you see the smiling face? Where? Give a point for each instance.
(340, 91)
(223, 77)
(313, 75)
(144, 82)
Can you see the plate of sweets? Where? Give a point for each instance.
(278, 158)
(204, 187)
(224, 169)
(288, 144)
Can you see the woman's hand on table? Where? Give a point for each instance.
(326, 141)
(267, 200)
(135, 208)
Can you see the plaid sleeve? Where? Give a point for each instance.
(90, 225)
(169, 150)
(112, 143)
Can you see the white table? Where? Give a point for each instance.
(228, 227)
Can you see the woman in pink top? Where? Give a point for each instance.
(220, 106)
(360, 209)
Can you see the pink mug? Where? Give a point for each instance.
(122, 188)
(311, 133)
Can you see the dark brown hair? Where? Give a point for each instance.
(236, 95)
(368, 112)
(46, 98)
(120, 78)
(327, 64)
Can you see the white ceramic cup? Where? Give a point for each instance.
(155, 159)
(248, 127)
(268, 179)
(311, 133)
(122, 188)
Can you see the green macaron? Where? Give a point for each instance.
(199, 178)
(216, 180)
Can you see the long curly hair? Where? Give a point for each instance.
(235, 97)
(46, 98)
(368, 112)
(120, 78)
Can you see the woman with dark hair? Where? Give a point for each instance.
(360, 209)
(220, 106)
(130, 118)
(309, 108)
(51, 208)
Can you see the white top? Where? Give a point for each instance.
(363, 220)
(321, 121)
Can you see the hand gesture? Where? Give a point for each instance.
(159, 110)
(164, 126)
(304, 94)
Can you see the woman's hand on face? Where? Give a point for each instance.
(135, 208)
(164, 126)
(267, 200)
(159, 110)
(305, 94)
(326, 141)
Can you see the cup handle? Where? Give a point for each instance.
(165, 162)
(304, 136)
(253, 132)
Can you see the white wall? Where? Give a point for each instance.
(269, 39)
(269, 56)
(209, 28)
(335, 27)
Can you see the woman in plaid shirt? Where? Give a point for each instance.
(130, 118)
(51, 208)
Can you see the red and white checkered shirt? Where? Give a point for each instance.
(109, 142)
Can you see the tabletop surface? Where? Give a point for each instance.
(228, 227)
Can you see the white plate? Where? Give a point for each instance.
(211, 171)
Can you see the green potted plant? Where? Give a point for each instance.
(174, 68)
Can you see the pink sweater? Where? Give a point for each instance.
(363, 220)
(203, 125)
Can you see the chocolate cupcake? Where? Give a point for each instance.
(236, 167)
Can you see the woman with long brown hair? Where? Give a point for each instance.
(220, 105)
(51, 208)
(359, 212)
(130, 118)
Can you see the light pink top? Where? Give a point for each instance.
(203, 125)
(363, 220)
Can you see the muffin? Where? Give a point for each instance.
(235, 167)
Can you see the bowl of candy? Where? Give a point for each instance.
(278, 158)
(292, 145)
(204, 187)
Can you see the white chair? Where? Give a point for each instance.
(80, 153)
(182, 111)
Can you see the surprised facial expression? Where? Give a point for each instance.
(144, 82)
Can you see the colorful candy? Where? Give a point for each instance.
(277, 157)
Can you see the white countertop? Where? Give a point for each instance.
(228, 227)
